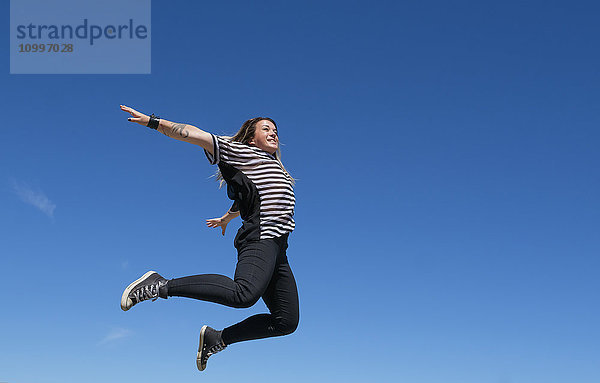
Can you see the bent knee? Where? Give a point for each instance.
(290, 328)
(244, 301)
(286, 326)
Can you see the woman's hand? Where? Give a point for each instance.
(217, 222)
(138, 117)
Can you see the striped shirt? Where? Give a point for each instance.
(259, 186)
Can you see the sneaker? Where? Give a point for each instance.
(146, 287)
(210, 344)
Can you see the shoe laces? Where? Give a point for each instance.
(220, 346)
(146, 292)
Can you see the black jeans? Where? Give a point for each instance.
(262, 271)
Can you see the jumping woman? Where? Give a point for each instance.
(262, 191)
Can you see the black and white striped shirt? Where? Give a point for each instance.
(259, 186)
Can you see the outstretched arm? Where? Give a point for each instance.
(224, 220)
(181, 132)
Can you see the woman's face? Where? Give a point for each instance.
(265, 136)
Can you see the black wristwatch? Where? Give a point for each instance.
(153, 122)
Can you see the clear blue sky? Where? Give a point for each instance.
(448, 195)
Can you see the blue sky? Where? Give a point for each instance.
(447, 196)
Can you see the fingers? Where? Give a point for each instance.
(127, 109)
(136, 115)
(211, 223)
(216, 222)
(131, 111)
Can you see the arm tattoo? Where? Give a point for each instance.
(180, 129)
(162, 130)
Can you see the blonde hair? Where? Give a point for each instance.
(245, 135)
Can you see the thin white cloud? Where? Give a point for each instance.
(32, 197)
(115, 334)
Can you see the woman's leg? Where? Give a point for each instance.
(262, 270)
(256, 262)
(281, 297)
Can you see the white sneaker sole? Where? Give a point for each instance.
(126, 303)
(199, 355)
